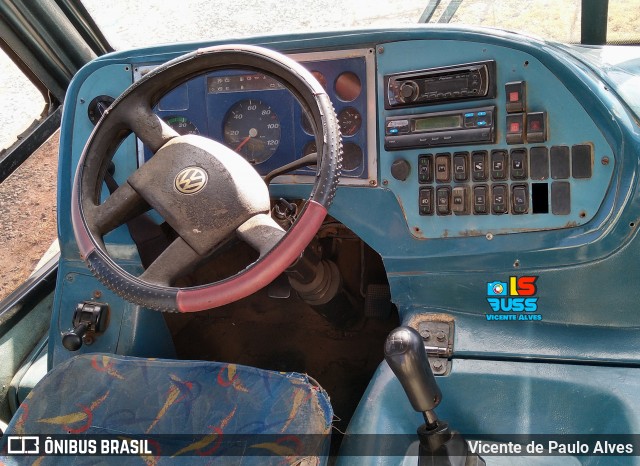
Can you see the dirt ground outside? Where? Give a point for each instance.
(28, 213)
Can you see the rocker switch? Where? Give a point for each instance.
(460, 200)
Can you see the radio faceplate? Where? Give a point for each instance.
(435, 85)
(458, 127)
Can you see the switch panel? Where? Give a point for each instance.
(502, 182)
(547, 164)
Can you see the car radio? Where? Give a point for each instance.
(467, 126)
(434, 85)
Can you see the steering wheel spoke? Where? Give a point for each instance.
(260, 232)
(148, 127)
(174, 262)
(123, 205)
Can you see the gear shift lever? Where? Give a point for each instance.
(404, 352)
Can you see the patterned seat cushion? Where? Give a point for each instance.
(194, 411)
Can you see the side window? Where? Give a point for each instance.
(28, 195)
(22, 103)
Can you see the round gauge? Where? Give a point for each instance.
(320, 77)
(351, 156)
(252, 129)
(181, 125)
(350, 121)
(348, 86)
(309, 148)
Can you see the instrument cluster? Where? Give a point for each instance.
(256, 116)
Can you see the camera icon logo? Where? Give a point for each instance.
(23, 445)
(496, 289)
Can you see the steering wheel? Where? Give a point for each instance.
(205, 191)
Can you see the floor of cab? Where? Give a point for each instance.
(287, 335)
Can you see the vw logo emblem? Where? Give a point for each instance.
(191, 180)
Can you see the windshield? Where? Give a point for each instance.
(130, 24)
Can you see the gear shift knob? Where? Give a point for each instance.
(404, 352)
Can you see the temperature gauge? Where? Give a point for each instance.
(350, 121)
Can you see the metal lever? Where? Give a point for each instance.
(405, 353)
(439, 446)
(89, 317)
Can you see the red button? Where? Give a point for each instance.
(514, 127)
(535, 125)
(514, 96)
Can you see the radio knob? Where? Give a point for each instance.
(409, 91)
(400, 169)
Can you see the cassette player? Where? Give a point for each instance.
(453, 128)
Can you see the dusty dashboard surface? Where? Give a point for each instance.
(472, 139)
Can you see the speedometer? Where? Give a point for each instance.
(252, 129)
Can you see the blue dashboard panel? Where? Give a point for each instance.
(536, 180)
(239, 108)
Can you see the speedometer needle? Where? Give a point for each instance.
(252, 134)
(244, 141)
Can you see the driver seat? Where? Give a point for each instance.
(192, 412)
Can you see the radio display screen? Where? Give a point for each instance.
(437, 122)
(446, 84)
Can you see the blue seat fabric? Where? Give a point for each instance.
(99, 394)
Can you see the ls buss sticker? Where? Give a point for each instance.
(513, 300)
